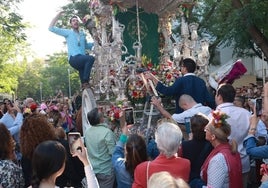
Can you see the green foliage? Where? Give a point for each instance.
(29, 80)
(79, 8)
(57, 72)
(12, 43)
(11, 30)
(228, 25)
(49, 77)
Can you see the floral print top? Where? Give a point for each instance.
(11, 175)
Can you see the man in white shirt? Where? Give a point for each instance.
(190, 107)
(238, 120)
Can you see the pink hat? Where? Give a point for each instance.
(43, 106)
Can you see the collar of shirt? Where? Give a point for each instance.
(102, 125)
(189, 74)
(224, 105)
(197, 105)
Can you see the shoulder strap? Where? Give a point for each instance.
(147, 173)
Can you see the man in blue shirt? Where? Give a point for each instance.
(189, 84)
(77, 45)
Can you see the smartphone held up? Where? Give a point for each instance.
(258, 106)
(74, 139)
(129, 116)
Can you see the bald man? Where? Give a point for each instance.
(187, 103)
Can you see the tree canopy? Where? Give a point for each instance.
(12, 43)
(241, 24)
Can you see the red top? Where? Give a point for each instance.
(178, 167)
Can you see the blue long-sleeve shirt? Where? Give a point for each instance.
(76, 41)
(188, 84)
(257, 152)
(123, 178)
(13, 125)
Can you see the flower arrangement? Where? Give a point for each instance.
(114, 111)
(219, 119)
(167, 73)
(146, 63)
(136, 90)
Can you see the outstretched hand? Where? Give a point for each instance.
(156, 101)
(253, 121)
(148, 75)
(125, 128)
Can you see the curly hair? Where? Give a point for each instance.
(7, 145)
(35, 129)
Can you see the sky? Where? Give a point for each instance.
(39, 13)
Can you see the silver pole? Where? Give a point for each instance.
(69, 83)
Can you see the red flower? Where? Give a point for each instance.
(154, 72)
(135, 94)
(169, 76)
(117, 115)
(150, 65)
(33, 107)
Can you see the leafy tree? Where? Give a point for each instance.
(241, 24)
(47, 76)
(30, 79)
(56, 75)
(12, 43)
(11, 31)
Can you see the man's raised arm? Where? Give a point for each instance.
(55, 19)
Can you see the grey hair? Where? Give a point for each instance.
(168, 137)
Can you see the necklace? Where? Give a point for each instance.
(78, 37)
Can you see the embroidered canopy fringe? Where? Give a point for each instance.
(160, 6)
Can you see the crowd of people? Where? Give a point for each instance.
(213, 140)
(223, 148)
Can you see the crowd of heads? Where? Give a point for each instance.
(246, 95)
(42, 126)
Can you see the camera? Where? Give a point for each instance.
(129, 116)
(258, 106)
(74, 139)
